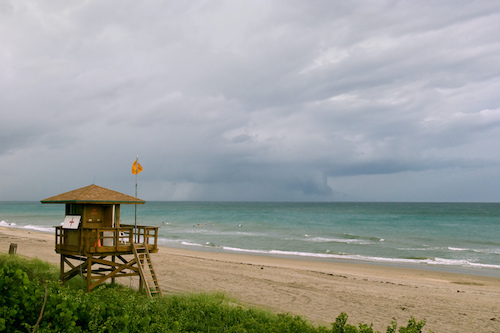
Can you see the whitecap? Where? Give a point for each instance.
(429, 261)
(39, 228)
(338, 240)
(485, 251)
(4, 223)
(190, 244)
(457, 249)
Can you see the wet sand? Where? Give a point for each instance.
(316, 290)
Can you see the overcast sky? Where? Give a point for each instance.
(251, 100)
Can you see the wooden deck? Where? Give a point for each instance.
(105, 241)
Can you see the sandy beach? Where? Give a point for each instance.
(316, 290)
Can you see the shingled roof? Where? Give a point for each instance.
(93, 194)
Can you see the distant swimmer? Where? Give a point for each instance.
(239, 225)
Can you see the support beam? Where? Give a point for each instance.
(89, 274)
(115, 272)
(96, 270)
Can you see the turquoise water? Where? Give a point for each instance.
(450, 236)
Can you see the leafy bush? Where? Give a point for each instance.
(32, 299)
(341, 326)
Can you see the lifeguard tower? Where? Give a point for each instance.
(93, 244)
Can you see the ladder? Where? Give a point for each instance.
(146, 270)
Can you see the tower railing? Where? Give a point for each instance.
(105, 240)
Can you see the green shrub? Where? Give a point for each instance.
(341, 326)
(21, 298)
(114, 308)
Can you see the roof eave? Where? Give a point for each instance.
(100, 202)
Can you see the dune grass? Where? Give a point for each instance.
(32, 299)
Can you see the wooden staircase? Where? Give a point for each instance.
(146, 270)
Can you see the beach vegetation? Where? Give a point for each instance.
(341, 326)
(33, 300)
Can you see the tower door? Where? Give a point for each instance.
(109, 216)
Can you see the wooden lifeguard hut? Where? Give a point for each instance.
(93, 244)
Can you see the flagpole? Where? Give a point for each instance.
(135, 223)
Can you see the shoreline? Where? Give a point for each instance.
(486, 272)
(316, 290)
(381, 262)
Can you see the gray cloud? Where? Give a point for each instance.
(251, 100)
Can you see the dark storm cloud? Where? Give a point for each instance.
(251, 100)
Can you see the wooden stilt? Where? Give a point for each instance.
(114, 262)
(61, 266)
(89, 274)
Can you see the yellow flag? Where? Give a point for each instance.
(136, 168)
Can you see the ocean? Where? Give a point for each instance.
(459, 237)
